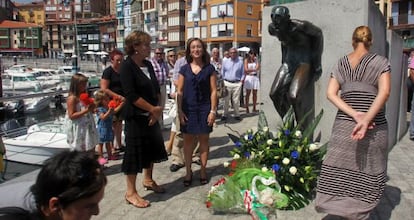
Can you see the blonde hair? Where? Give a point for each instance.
(135, 38)
(362, 34)
(180, 53)
(76, 80)
(100, 95)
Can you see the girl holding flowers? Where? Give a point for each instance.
(105, 109)
(81, 129)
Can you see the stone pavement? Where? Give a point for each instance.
(184, 203)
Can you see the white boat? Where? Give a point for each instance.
(17, 68)
(42, 141)
(20, 82)
(36, 104)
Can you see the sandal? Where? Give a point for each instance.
(140, 203)
(203, 181)
(188, 182)
(153, 186)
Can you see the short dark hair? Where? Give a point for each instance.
(69, 176)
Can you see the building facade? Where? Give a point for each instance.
(225, 23)
(20, 38)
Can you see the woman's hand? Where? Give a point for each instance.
(211, 119)
(183, 118)
(361, 127)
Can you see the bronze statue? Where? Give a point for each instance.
(302, 45)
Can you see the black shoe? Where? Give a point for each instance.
(223, 118)
(175, 167)
(237, 118)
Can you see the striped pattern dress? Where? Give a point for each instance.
(353, 174)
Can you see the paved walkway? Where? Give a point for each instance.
(184, 203)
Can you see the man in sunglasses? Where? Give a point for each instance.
(161, 72)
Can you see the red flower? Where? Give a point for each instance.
(231, 174)
(84, 98)
(113, 104)
(208, 204)
(233, 164)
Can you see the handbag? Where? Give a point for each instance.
(221, 89)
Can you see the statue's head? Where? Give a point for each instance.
(280, 14)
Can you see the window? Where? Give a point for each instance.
(249, 10)
(222, 30)
(203, 14)
(249, 30)
(190, 32)
(220, 10)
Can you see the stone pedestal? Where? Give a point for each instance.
(337, 19)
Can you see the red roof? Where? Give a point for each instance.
(17, 24)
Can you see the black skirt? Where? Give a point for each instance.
(144, 145)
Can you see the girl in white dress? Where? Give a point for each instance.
(251, 80)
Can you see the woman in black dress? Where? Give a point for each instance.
(143, 137)
(197, 104)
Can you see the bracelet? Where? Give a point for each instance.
(213, 112)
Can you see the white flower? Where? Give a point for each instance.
(226, 164)
(285, 161)
(236, 156)
(264, 169)
(269, 142)
(298, 134)
(265, 129)
(246, 137)
(314, 146)
(252, 155)
(293, 170)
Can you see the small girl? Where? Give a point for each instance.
(104, 113)
(81, 129)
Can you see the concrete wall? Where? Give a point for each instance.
(337, 19)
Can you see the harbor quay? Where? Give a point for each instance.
(49, 63)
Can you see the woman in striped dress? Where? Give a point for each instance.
(353, 174)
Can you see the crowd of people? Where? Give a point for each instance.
(133, 91)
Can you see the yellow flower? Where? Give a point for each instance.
(308, 168)
(277, 157)
(264, 169)
(280, 144)
(285, 161)
(299, 149)
(302, 180)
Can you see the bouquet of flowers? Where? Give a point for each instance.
(290, 153)
(287, 158)
(247, 189)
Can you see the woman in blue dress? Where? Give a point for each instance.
(197, 104)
